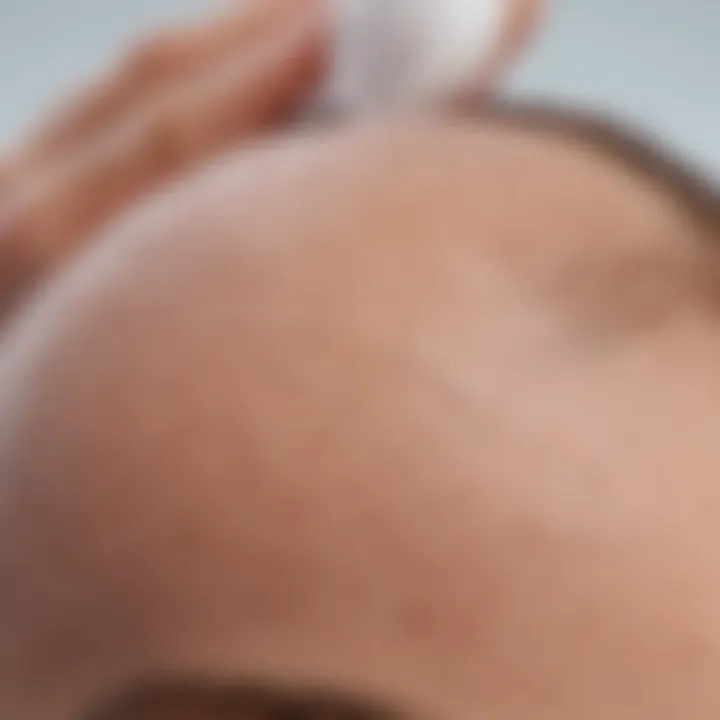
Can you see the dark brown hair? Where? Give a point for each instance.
(180, 701)
(697, 194)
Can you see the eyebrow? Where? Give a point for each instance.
(188, 701)
(696, 193)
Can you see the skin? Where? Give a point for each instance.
(176, 100)
(423, 412)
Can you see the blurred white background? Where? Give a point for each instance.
(654, 61)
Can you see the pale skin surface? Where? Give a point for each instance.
(425, 411)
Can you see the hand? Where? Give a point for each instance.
(176, 99)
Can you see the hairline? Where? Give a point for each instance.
(696, 194)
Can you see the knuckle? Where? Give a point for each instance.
(169, 138)
(150, 57)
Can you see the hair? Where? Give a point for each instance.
(181, 701)
(637, 291)
(697, 194)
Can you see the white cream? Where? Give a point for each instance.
(392, 54)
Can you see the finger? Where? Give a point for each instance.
(59, 210)
(522, 20)
(15, 274)
(156, 62)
